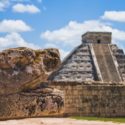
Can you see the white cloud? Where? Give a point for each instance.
(4, 4)
(114, 16)
(15, 40)
(14, 26)
(50, 45)
(63, 53)
(70, 35)
(17, 1)
(21, 8)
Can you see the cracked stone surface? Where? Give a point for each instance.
(23, 91)
(21, 67)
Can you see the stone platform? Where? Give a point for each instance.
(102, 99)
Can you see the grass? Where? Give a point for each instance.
(118, 120)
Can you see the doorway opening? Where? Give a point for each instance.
(98, 41)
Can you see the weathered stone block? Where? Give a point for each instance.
(33, 103)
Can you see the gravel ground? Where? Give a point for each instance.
(54, 121)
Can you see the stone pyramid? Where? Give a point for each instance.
(96, 59)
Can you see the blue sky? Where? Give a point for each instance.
(59, 23)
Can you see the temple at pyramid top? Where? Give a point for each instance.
(97, 37)
(96, 59)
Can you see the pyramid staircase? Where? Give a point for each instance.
(106, 63)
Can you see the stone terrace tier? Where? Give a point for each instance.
(119, 56)
(96, 59)
(78, 66)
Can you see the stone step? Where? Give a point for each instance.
(106, 63)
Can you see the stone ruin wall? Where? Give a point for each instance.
(20, 98)
(22, 92)
(97, 37)
(31, 104)
(87, 99)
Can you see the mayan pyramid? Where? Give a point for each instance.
(96, 59)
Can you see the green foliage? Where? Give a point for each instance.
(118, 120)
